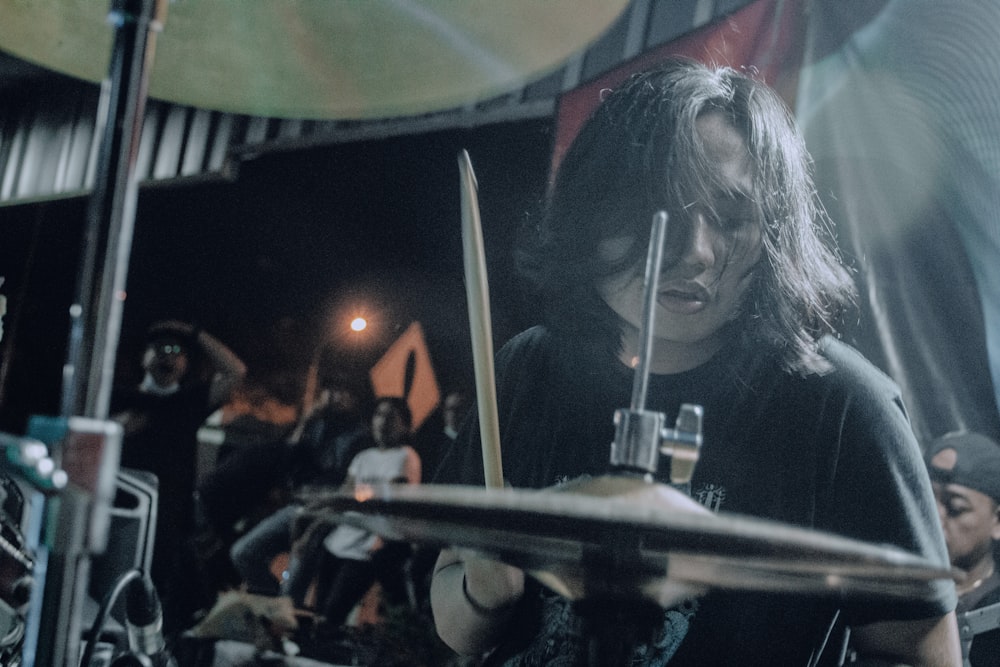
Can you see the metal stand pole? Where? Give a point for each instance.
(96, 314)
(83, 442)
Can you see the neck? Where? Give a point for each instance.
(976, 575)
(149, 385)
(669, 357)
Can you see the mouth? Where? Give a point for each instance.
(683, 297)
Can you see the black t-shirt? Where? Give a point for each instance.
(833, 452)
(162, 439)
(985, 651)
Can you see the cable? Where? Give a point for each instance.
(105, 610)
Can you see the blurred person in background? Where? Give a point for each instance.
(965, 475)
(187, 375)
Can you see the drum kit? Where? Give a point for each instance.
(620, 536)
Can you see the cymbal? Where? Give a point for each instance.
(612, 537)
(332, 59)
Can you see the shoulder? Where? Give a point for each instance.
(128, 398)
(529, 342)
(364, 454)
(992, 595)
(540, 349)
(525, 354)
(865, 402)
(358, 435)
(852, 373)
(852, 391)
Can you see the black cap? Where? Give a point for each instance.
(967, 459)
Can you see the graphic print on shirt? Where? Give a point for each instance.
(563, 640)
(711, 496)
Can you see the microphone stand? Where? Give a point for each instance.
(70, 522)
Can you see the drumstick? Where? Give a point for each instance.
(477, 293)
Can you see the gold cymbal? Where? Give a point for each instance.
(612, 537)
(322, 59)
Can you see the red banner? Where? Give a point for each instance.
(765, 37)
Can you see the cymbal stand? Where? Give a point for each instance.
(640, 435)
(81, 447)
(614, 626)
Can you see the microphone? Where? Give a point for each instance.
(144, 621)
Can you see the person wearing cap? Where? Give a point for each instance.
(187, 375)
(965, 476)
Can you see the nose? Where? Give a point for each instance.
(700, 250)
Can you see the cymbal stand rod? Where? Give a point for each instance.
(635, 449)
(651, 284)
(95, 316)
(84, 443)
(640, 434)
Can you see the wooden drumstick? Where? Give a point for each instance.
(478, 296)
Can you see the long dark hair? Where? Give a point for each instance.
(639, 153)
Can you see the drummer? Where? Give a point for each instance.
(798, 428)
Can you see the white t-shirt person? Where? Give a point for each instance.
(375, 465)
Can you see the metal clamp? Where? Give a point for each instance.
(641, 437)
(683, 443)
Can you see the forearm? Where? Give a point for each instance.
(922, 643)
(473, 601)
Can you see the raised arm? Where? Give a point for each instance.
(313, 403)
(227, 369)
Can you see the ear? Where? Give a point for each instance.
(995, 530)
